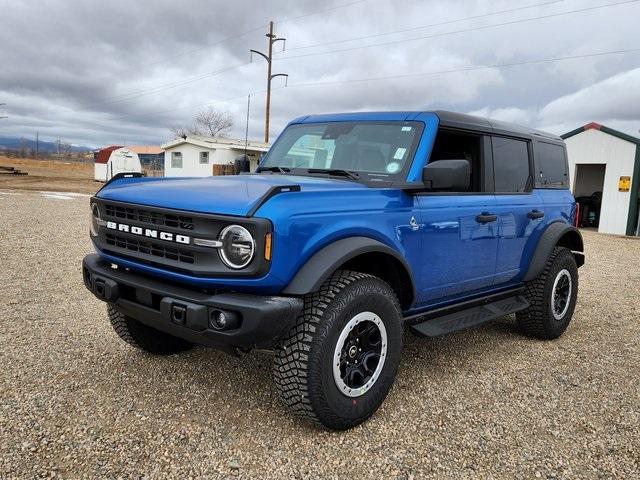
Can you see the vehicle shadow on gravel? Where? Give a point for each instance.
(218, 384)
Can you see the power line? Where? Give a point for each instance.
(194, 50)
(288, 19)
(421, 27)
(472, 29)
(236, 36)
(396, 76)
(467, 69)
(138, 94)
(160, 88)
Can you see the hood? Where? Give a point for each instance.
(225, 195)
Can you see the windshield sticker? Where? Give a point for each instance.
(393, 167)
(406, 129)
(399, 155)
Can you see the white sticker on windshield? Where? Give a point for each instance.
(406, 129)
(393, 167)
(399, 155)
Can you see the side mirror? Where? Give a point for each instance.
(451, 175)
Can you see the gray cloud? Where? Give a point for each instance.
(101, 72)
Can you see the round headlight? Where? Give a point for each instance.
(95, 219)
(238, 246)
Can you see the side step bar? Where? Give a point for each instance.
(470, 317)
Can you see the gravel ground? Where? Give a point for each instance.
(76, 402)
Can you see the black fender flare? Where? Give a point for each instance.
(556, 233)
(325, 261)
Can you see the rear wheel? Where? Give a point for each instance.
(339, 361)
(552, 297)
(141, 336)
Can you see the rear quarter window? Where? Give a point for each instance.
(551, 166)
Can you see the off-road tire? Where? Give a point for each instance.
(538, 320)
(143, 337)
(303, 365)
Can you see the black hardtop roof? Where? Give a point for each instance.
(472, 122)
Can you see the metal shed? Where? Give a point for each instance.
(115, 159)
(604, 175)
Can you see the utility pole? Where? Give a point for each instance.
(246, 130)
(37, 144)
(271, 38)
(3, 116)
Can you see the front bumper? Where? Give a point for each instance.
(185, 312)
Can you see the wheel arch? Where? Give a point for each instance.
(360, 254)
(557, 234)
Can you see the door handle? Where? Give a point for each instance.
(535, 214)
(485, 217)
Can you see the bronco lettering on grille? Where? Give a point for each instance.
(147, 232)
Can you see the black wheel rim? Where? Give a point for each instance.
(561, 295)
(360, 354)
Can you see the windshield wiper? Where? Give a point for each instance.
(276, 169)
(336, 171)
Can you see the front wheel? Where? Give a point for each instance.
(552, 297)
(339, 360)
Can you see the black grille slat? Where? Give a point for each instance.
(182, 222)
(150, 248)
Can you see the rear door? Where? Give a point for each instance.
(519, 207)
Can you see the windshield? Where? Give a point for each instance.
(373, 149)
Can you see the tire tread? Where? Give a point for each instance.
(534, 320)
(291, 363)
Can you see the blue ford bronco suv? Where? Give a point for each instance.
(353, 227)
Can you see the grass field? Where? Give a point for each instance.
(50, 175)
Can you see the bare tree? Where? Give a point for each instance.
(65, 149)
(210, 122)
(181, 131)
(214, 122)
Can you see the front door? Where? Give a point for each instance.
(459, 229)
(459, 244)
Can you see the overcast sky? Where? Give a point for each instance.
(99, 72)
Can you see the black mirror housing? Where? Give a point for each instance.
(448, 175)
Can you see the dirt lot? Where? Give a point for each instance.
(49, 175)
(487, 403)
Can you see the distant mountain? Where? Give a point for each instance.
(15, 143)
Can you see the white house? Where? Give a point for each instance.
(605, 162)
(115, 159)
(194, 155)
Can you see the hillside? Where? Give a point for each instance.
(15, 143)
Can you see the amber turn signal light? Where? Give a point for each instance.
(267, 246)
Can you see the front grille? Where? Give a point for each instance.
(183, 222)
(150, 248)
(189, 259)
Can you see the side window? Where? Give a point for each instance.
(510, 164)
(551, 166)
(453, 145)
(204, 157)
(176, 159)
